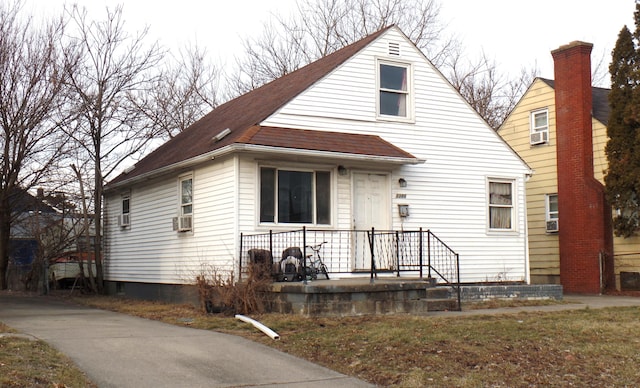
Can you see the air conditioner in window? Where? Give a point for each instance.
(185, 223)
(552, 226)
(539, 137)
(123, 220)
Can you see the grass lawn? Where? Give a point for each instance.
(589, 347)
(28, 363)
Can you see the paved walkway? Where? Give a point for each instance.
(118, 350)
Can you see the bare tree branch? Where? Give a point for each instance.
(32, 102)
(491, 94)
(187, 88)
(320, 27)
(113, 75)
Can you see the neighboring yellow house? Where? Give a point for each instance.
(530, 130)
(538, 106)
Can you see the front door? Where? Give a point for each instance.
(370, 210)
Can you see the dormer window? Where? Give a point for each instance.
(394, 90)
(539, 129)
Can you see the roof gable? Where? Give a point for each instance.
(242, 113)
(600, 108)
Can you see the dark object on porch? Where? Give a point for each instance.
(290, 268)
(261, 262)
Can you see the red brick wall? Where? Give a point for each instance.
(585, 233)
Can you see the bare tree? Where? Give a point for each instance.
(320, 27)
(492, 94)
(186, 89)
(32, 99)
(115, 70)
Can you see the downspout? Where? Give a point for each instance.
(236, 224)
(527, 266)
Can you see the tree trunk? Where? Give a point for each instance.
(5, 236)
(98, 228)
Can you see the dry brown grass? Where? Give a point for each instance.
(27, 363)
(586, 347)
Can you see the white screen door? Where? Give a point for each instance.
(370, 210)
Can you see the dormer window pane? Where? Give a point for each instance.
(393, 90)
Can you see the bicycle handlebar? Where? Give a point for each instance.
(317, 246)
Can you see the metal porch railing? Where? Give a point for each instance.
(367, 252)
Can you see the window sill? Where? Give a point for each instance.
(502, 232)
(396, 119)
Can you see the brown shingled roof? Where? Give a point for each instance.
(325, 141)
(243, 113)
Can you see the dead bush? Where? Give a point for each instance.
(219, 292)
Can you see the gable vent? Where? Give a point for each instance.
(394, 48)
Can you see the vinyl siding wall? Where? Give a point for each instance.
(149, 250)
(543, 246)
(626, 250)
(544, 254)
(448, 193)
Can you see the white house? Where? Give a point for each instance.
(336, 145)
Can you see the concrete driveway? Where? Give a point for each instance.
(117, 350)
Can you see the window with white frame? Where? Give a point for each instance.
(295, 196)
(125, 213)
(551, 217)
(394, 90)
(539, 129)
(501, 210)
(186, 196)
(184, 222)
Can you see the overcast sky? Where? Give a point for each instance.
(514, 33)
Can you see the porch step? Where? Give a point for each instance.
(360, 296)
(441, 299)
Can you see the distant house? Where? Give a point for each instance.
(369, 136)
(30, 215)
(560, 129)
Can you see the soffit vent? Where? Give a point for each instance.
(394, 48)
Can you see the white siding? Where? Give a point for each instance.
(448, 193)
(149, 250)
(248, 217)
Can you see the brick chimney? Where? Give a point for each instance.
(586, 238)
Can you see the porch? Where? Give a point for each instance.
(354, 272)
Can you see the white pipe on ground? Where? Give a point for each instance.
(272, 334)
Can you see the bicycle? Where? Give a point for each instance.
(316, 266)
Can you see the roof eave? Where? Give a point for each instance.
(172, 167)
(237, 147)
(328, 154)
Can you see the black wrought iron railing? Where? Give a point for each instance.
(368, 252)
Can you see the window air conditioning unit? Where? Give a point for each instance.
(552, 226)
(539, 137)
(124, 219)
(185, 223)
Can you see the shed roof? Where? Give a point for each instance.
(313, 140)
